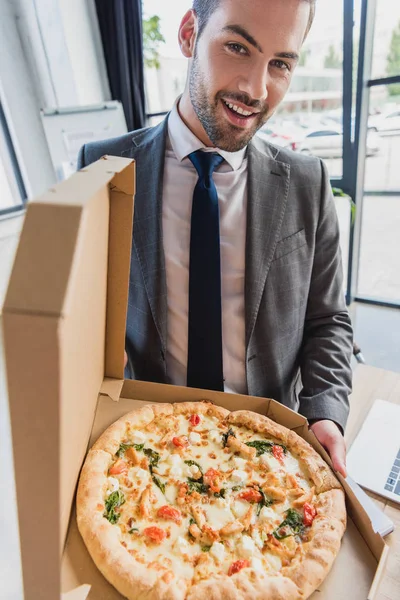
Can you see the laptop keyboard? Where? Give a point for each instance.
(393, 481)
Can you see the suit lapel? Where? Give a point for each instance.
(268, 187)
(149, 153)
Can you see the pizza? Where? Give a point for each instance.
(192, 501)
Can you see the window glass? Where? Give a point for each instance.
(379, 273)
(383, 139)
(386, 49)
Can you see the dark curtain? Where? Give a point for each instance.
(120, 24)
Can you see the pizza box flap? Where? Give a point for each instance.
(64, 332)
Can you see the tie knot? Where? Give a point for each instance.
(205, 163)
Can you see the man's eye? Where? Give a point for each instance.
(237, 48)
(280, 65)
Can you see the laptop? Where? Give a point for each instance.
(374, 457)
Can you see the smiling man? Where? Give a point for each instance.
(236, 277)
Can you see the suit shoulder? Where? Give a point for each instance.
(117, 146)
(298, 162)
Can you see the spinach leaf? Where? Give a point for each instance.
(124, 447)
(263, 446)
(236, 488)
(114, 500)
(197, 486)
(263, 502)
(158, 483)
(205, 548)
(154, 458)
(193, 463)
(220, 494)
(291, 525)
(133, 530)
(225, 437)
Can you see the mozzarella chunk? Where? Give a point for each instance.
(274, 562)
(267, 514)
(138, 437)
(181, 546)
(215, 436)
(176, 471)
(256, 564)
(239, 463)
(257, 539)
(194, 438)
(270, 462)
(174, 459)
(218, 551)
(239, 476)
(191, 470)
(240, 508)
(113, 485)
(246, 547)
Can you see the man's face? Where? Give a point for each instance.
(241, 67)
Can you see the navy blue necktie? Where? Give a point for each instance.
(204, 366)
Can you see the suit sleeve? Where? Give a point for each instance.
(328, 337)
(81, 158)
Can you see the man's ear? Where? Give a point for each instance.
(187, 33)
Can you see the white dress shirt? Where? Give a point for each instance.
(180, 178)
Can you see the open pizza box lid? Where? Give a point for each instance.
(64, 323)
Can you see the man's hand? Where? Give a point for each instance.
(328, 434)
(125, 358)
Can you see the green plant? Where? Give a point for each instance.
(340, 193)
(152, 39)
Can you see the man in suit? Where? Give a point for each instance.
(285, 330)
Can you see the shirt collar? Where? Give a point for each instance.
(183, 141)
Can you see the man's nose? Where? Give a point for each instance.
(254, 82)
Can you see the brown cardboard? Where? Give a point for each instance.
(64, 329)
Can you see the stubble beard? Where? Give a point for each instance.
(221, 133)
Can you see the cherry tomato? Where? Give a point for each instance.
(155, 534)
(180, 442)
(237, 566)
(212, 478)
(169, 513)
(251, 495)
(194, 420)
(119, 467)
(309, 514)
(277, 451)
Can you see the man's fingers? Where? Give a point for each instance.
(125, 358)
(328, 434)
(337, 452)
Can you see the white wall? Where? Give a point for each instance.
(50, 56)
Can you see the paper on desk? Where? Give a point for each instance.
(380, 522)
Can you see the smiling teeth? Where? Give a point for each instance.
(239, 110)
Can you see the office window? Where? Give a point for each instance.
(12, 194)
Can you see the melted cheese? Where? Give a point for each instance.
(179, 552)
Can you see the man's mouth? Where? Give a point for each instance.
(238, 110)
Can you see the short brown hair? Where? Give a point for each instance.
(205, 8)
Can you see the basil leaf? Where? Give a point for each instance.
(225, 437)
(220, 494)
(197, 486)
(114, 500)
(154, 458)
(263, 446)
(263, 502)
(124, 447)
(291, 525)
(158, 483)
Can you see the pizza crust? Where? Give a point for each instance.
(136, 581)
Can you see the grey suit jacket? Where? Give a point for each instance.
(298, 331)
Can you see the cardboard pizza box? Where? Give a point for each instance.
(64, 331)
